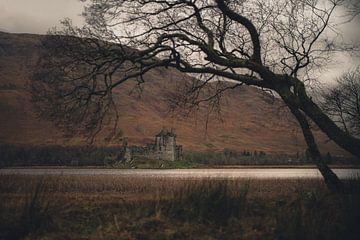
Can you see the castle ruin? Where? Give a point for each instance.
(164, 148)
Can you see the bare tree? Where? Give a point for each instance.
(342, 102)
(273, 45)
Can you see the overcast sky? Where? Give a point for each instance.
(38, 16)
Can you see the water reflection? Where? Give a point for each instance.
(189, 173)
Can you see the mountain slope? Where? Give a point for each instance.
(249, 120)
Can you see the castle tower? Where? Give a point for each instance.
(165, 144)
(164, 148)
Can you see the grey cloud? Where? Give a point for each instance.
(37, 16)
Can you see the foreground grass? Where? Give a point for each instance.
(106, 207)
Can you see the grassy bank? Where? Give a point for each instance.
(54, 155)
(106, 207)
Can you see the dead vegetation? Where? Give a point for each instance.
(112, 207)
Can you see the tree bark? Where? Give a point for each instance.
(335, 133)
(331, 180)
(300, 100)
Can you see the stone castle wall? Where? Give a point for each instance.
(164, 148)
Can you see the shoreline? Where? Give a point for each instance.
(234, 173)
(227, 167)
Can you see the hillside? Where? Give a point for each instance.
(248, 120)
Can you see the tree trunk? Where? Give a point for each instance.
(335, 133)
(331, 180)
(300, 100)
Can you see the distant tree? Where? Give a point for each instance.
(228, 153)
(328, 157)
(342, 102)
(273, 45)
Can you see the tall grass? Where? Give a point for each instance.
(106, 207)
(211, 201)
(31, 213)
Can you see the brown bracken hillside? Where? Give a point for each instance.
(249, 120)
